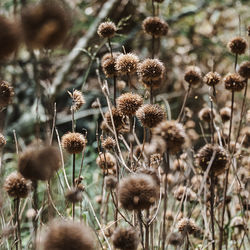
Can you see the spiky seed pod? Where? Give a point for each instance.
(125, 239)
(150, 115)
(192, 75)
(106, 161)
(127, 63)
(6, 94)
(110, 182)
(78, 99)
(9, 37)
(173, 133)
(73, 143)
(39, 162)
(137, 192)
(187, 226)
(205, 114)
(245, 136)
(155, 26)
(155, 160)
(108, 63)
(151, 172)
(117, 117)
(234, 82)
(237, 45)
(2, 141)
(188, 194)
(244, 69)
(205, 154)
(212, 78)
(74, 195)
(176, 239)
(151, 69)
(68, 235)
(106, 29)
(17, 186)
(225, 114)
(109, 143)
(46, 24)
(129, 103)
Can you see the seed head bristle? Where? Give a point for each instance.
(127, 63)
(106, 29)
(73, 143)
(155, 26)
(237, 45)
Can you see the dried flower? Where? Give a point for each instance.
(234, 82)
(186, 225)
(192, 75)
(17, 186)
(127, 63)
(2, 141)
(78, 99)
(109, 143)
(176, 239)
(225, 114)
(110, 182)
(125, 239)
(74, 195)
(155, 160)
(129, 103)
(150, 115)
(106, 161)
(179, 165)
(237, 45)
(245, 136)
(108, 64)
(212, 78)
(155, 26)
(73, 143)
(186, 192)
(244, 69)
(151, 172)
(6, 94)
(68, 235)
(205, 114)
(106, 29)
(117, 117)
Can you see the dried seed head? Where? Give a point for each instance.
(151, 70)
(176, 239)
(9, 37)
(244, 69)
(151, 172)
(179, 165)
(106, 161)
(17, 186)
(117, 117)
(46, 24)
(155, 26)
(73, 143)
(127, 63)
(2, 141)
(234, 82)
(187, 226)
(138, 192)
(68, 235)
(150, 115)
(106, 30)
(205, 154)
(108, 143)
(121, 85)
(192, 75)
(173, 133)
(125, 239)
(237, 45)
(110, 182)
(78, 100)
(6, 94)
(39, 162)
(108, 64)
(155, 160)
(74, 195)
(185, 192)
(212, 78)
(205, 114)
(196, 182)
(245, 136)
(129, 103)
(225, 114)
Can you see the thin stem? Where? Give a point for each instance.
(115, 90)
(235, 62)
(35, 207)
(73, 183)
(153, 47)
(212, 207)
(147, 232)
(184, 103)
(141, 228)
(153, 7)
(151, 94)
(212, 121)
(231, 121)
(110, 47)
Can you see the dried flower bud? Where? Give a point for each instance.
(212, 78)
(205, 114)
(176, 239)
(110, 182)
(78, 99)
(237, 45)
(106, 29)
(6, 94)
(106, 161)
(244, 69)
(108, 143)
(155, 26)
(2, 141)
(108, 64)
(187, 226)
(234, 82)
(74, 195)
(155, 160)
(73, 143)
(192, 75)
(117, 117)
(225, 114)
(127, 64)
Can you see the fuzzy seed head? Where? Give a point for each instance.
(187, 226)
(237, 45)
(129, 103)
(110, 182)
(138, 192)
(127, 63)
(106, 30)
(151, 172)
(225, 114)
(212, 78)
(6, 94)
(68, 235)
(2, 141)
(155, 26)
(188, 194)
(205, 114)
(244, 69)
(192, 75)
(73, 143)
(176, 239)
(108, 64)
(108, 143)
(74, 195)
(78, 100)
(125, 239)
(234, 82)
(17, 186)
(205, 154)
(150, 115)
(106, 161)
(117, 117)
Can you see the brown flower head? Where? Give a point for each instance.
(125, 239)
(205, 114)
(187, 226)
(106, 161)
(78, 100)
(155, 26)
(108, 143)
(173, 133)
(237, 45)
(9, 37)
(151, 172)
(110, 182)
(17, 186)
(73, 143)
(45, 25)
(6, 94)
(117, 117)
(245, 136)
(212, 78)
(129, 103)
(225, 114)
(39, 162)
(192, 75)
(244, 69)
(2, 141)
(106, 30)
(137, 192)
(206, 153)
(126, 63)
(74, 195)
(108, 64)
(151, 70)
(176, 239)
(68, 235)
(234, 82)
(150, 115)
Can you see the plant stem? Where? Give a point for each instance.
(212, 207)
(73, 183)
(231, 121)
(180, 117)
(141, 228)
(35, 207)
(115, 90)
(212, 121)
(147, 232)
(151, 94)
(153, 47)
